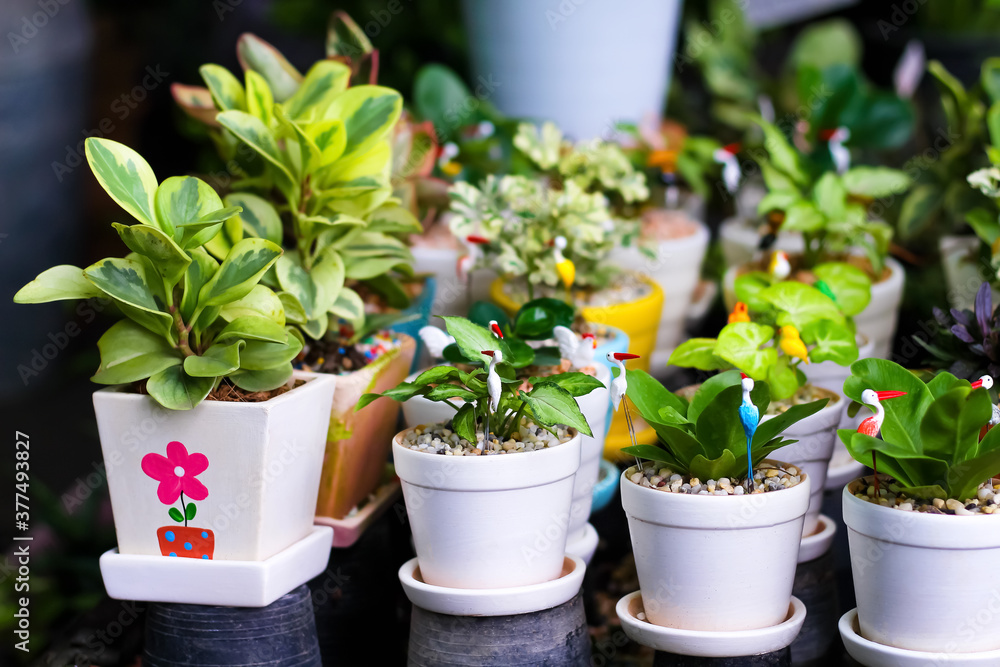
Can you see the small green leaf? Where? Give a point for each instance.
(472, 339)
(851, 285)
(322, 84)
(57, 284)
(190, 511)
(170, 260)
(876, 182)
(550, 405)
(437, 375)
(219, 360)
(464, 423)
(130, 352)
(263, 355)
(257, 55)
(253, 327)
(576, 383)
(740, 344)
(258, 217)
(240, 271)
(126, 281)
(264, 380)
(226, 89)
(125, 176)
(800, 304)
(833, 342)
(176, 390)
(175, 514)
(444, 392)
(697, 353)
(181, 199)
(260, 302)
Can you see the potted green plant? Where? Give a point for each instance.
(829, 215)
(490, 511)
(695, 482)
(203, 351)
(793, 325)
(930, 513)
(313, 157)
(966, 343)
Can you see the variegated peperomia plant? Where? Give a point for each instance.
(189, 321)
(312, 160)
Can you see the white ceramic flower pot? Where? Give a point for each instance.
(740, 240)
(877, 321)
(452, 296)
(595, 407)
(538, 61)
(677, 269)
(489, 521)
(925, 582)
(715, 563)
(816, 435)
(962, 270)
(259, 463)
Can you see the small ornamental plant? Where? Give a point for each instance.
(791, 324)
(966, 343)
(493, 401)
(936, 453)
(190, 323)
(702, 442)
(567, 213)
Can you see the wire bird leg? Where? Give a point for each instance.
(875, 476)
(631, 432)
(751, 485)
(486, 433)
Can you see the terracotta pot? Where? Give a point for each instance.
(357, 444)
(925, 582)
(186, 542)
(715, 563)
(262, 474)
(489, 521)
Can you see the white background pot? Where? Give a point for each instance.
(489, 521)
(538, 60)
(451, 297)
(677, 269)
(815, 434)
(925, 582)
(740, 238)
(595, 406)
(263, 472)
(715, 563)
(962, 275)
(877, 321)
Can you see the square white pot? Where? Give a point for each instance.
(264, 461)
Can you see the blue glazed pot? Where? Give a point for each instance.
(421, 307)
(606, 487)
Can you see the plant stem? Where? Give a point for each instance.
(183, 333)
(184, 510)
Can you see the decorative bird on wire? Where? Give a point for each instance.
(435, 340)
(739, 313)
(791, 343)
(493, 386)
(986, 382)
(564, 267)
(579, 350)
(467, 262)
(726, 156)
(495, 328)
(840, 154)
(619, 388)
(872, 425)
(749, 417)
(779, 267)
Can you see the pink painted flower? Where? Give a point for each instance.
(176, 473)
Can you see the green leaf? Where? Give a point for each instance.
(437, 375)
(253, 327)
(649, 395)
(919, 208)
(219, 360)
(167, 256)
(464, 423)
(876, 182)
(262, 355)
(394, 219)
(297, 282)
(882, 375)
(782, 379)
(175, 514)
(252, 131)
(190, 511)
(708, 390)
(800, 304)
(260, 100)
(833, 342)
(207, 228)
(349, 306)
(472, 339)
(125, 281)
(740, 344)
(438, 93)
(258, 217)
(950, 426)
(851, 285)
(697, 353)
(264, 380)
(240, 271)
(984, 223)
(57, 284)
(803, 216)
(965, 477)
(294, 312)
(261, 301)
(176, 390)
(830, 195)
(444, 392)
(550, 404)
(322, 84)
(536, 319)
(719, 427)
(748, 288)
(778, 200)
(782, 154)
(369, 114)
(257, 55)
(327, 275)
(650, 453)
(130, 352)
(181, 199)
(125, 176)
(226, 89)
(577, 384)
(725, 465)
(199, 272)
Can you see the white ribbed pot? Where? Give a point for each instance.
(715, 563)
(539, 61)
(925, 582)
(594, 406)
(489, 521)
(677, 269)
(816, 435)
(877, 321)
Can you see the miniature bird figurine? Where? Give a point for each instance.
(791, 343)
(493, 386)
(825, 289)
(749, 417)
(580, 351)
(564, 267)
(779, 267)
(840, 154)
(435, 340)
(986, 382)
(873, 424)
(726, 156)
(472, 255)
(495, 328)
(446, 159)
(739, 313)
(619, 387)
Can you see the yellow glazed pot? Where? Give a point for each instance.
(640, 320)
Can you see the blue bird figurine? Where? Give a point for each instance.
(750, 417)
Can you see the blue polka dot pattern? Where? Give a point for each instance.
(173, 554)
(187, 545)
(204, 535)
(204, 556)
(169, 535)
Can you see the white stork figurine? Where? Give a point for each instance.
(840, 154)
(619, 387)
(986, 382)
(580, 351)
(435, 340)
(731, 175)
(493, 387)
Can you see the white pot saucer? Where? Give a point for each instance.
(813, 546)
(493, 601)
(707, 644)
(585, 545)
(348, 530)
(229, 583)
(873, 654)
(842, 470)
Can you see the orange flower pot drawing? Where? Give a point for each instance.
(176, 472)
